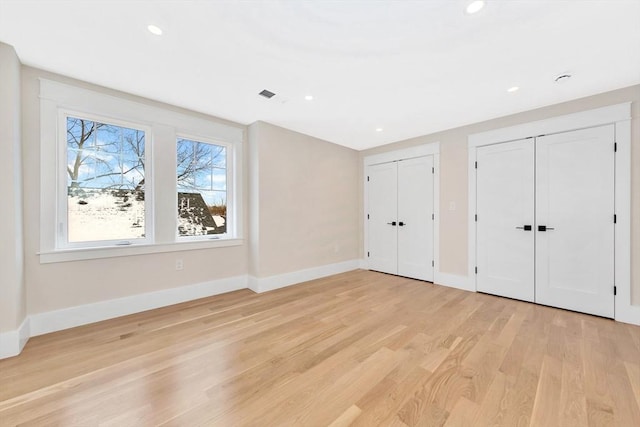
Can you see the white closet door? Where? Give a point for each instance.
(383, 215)
(505, 205)
(415, 224)
(575, 202)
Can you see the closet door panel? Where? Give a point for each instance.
(383, 215)
(415, 224)
(575, 203)
(505, 205)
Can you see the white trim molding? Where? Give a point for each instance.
(270, 283)
(12, 342)
(620, 116)
(52, 321)
(162, 127)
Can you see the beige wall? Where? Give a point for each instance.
(301, 201)
(60, 285)
(12, 289)
(453, 175)
(305, 199)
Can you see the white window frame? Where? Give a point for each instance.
(62, 241)
(164, 125)
(230, 189)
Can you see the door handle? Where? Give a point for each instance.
(402, 224)
(392, 223)
(544, 228)
(525, 228)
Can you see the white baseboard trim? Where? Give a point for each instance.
(12, 342)
(264, 284)
(628, 314)
(363, 264)
(51, 321)
(454, 281)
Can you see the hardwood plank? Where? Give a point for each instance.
(359, 348)
(347, 417)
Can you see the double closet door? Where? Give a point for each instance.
(545, 220)
(400, 217)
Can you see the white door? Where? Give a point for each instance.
(575, 203)
(504, 228)
(415, 218)
(383, 216)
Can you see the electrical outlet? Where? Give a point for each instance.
(179, 265)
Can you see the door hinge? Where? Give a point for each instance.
(476, 217)
(615, 147)
(433, 170)
(433, 263)
(476, 165)
(368, 255)
(433, 216)
(615, 218)
(476, 269)
(367, 216)
(367, 179)
(615, 291)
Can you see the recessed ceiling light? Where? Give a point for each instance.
(474, 6)
(309, 97)
(378, 129)
(154, 29)
(513, 89)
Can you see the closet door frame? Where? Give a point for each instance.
(618, 115)
(431, 149)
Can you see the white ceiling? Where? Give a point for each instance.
(409, 67)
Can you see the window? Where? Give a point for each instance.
(105, 182)
(202, 188)
(121, 177)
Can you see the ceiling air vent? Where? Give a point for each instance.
(267, 94)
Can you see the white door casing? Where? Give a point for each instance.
(504, 226)
(415, 218)
(619, 117)
(575, 189)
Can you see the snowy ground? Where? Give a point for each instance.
(101, 215)
(117, 215)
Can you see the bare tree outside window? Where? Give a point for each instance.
(106, 177)
(202, 188)
(105, 181)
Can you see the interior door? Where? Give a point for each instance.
(575, 222)
(415, 218)
(504, 228)
(383, 217)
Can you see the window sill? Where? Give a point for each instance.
(80, 254)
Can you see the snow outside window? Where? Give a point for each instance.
(123, 177)
(105, 185)
(201, 177)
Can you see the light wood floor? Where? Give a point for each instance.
(360, 348)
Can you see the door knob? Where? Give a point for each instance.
(525, 228)
(544, 228)
(402, 224)
(392, 223)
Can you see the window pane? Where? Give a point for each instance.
(105, 181)
(81, 134)
(202, 184)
